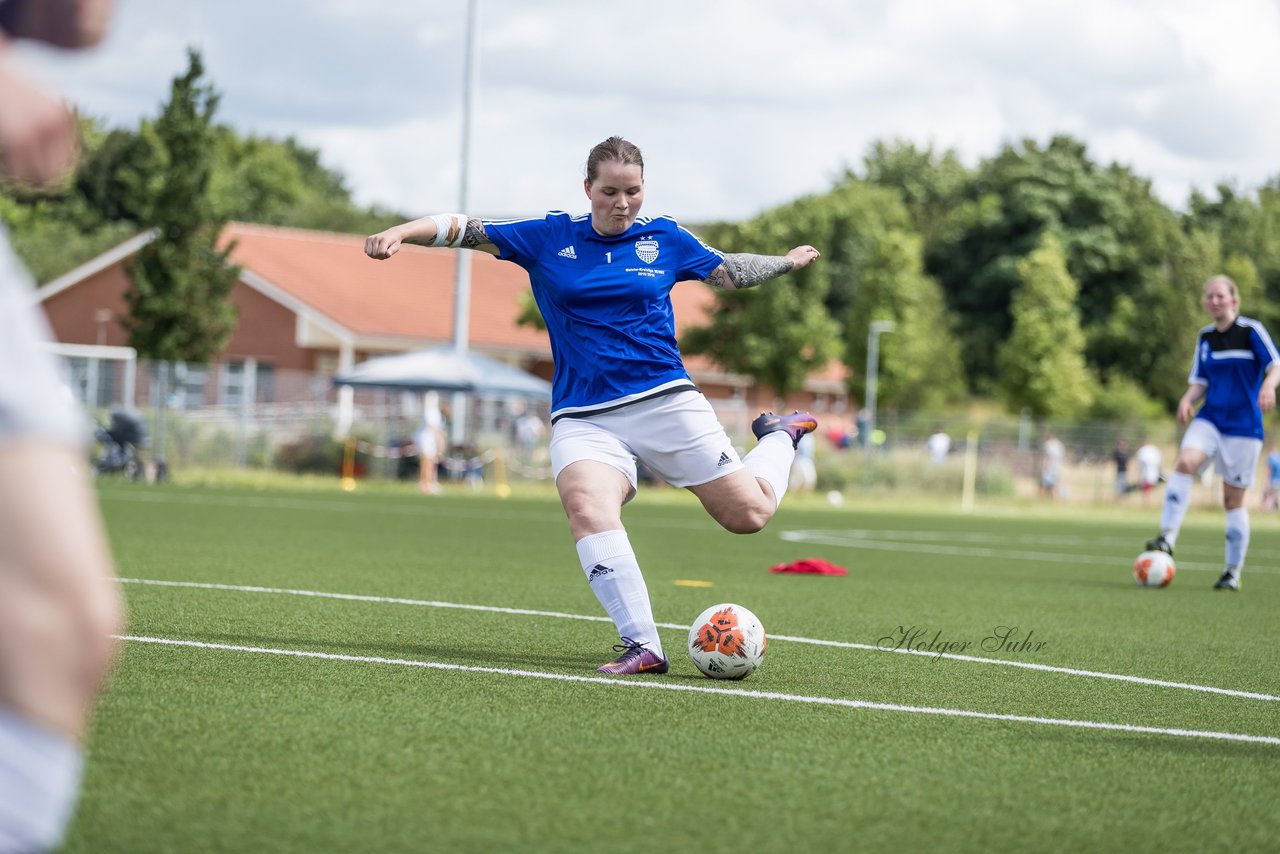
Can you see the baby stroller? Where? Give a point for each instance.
(121, 441)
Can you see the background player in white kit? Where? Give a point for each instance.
(59, 606)
(1235, 371)
(620, 390)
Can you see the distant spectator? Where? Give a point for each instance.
(804, 469)
(430, 440)
(839, 437)
(1121, 457)
(1148, 458)
(938, 445)
(1271, 498)
(1051, 466)
(529, 433)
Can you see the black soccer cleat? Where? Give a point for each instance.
(1227, 581)
(1160, 544)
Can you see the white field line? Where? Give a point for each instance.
(907, 541)
(853, 540)
(699, 689)
(422, 603)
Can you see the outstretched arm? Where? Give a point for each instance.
(455, 230)
(743, 270)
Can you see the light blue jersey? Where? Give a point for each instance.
(1232, 364)
(607, 303)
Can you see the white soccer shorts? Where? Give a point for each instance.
(1236, 457)
(34, 402)
(677, 436)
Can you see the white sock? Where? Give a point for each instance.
(1237, 539)
(1177, 495)
(770, 460)
(39, 784)
(614, 575)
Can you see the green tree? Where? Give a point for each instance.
(1112, 229)
(919, 365)
(931, 184)
(253, 179)
(778, 333)
(1248, 232)
(871, 268)
(1041, 364)
(178, 307)
(119, 174)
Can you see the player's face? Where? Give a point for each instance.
(1220, 302)
(616, 196)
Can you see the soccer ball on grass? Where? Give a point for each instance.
(1153, 569)
(727, 642)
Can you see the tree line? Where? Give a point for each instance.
(185, 176)
(1059, 285)
(1040, 277)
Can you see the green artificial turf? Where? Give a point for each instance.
(215, 749)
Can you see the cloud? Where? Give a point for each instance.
(739, 105)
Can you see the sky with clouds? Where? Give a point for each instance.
(738, 105)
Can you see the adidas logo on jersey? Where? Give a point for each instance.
(568, 252)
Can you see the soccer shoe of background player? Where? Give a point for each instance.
(635, 658)
(1227, 581)
(796, 424)
(1160, 544)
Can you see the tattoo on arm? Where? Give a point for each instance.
(742, 270)
(475, 237)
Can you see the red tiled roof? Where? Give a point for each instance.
(412, 294)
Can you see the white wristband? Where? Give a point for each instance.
(449, 229)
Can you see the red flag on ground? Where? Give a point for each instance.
(810, 566)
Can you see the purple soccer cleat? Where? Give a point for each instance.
(796, 424)
(635, 658)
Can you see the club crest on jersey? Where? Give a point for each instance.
(647, 250)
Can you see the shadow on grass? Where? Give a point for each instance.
(506, 658)
(478, 655)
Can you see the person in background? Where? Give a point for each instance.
(804, 471)
(1271, 498)
(430, 441)
(529, 433)
(1051, 466)
(1121, 458)
(59, 604)
(938, 445)
(1234, 371)
(1149, 460)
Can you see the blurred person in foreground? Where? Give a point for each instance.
(59, 606)
(1234, 371)
(620, 390)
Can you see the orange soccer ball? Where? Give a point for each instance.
(1153, 569)
(727, 642)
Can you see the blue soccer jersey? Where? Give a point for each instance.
(607, 303)
(1232, 364)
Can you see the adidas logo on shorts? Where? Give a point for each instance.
(724, 460)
